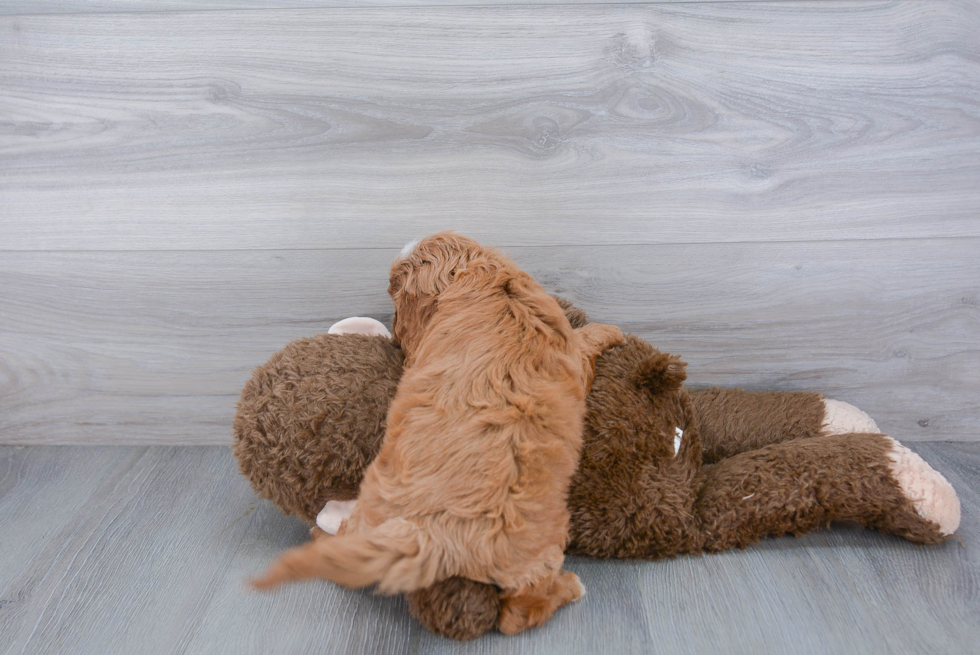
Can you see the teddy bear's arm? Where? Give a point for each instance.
(804, 484)
(733, 421)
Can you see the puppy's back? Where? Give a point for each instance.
(484, 433)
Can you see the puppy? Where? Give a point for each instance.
(482, 439)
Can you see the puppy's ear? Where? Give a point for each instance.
(661, 372)
(409, 321)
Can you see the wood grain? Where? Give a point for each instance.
(29, 7)
(110, 347)
(537, 125)
(146, 550)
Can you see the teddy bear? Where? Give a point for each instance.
(664, 470)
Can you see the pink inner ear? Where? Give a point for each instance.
(360, 325)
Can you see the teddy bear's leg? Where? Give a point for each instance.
(733, 421)
(457, 608)
(843, 418)
(932, 495)
(800, 485)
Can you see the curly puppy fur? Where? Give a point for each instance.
(303, 434)
(482, 439)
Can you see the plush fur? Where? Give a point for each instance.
(749, 464)
(482, 438)
(296, 437)
(732, 421)
(464, 608)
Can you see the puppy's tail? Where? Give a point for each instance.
(395, 555)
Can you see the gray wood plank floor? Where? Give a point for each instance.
(144, 550)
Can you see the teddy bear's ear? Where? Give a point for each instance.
(661, 372)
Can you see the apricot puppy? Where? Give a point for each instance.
(482, 439)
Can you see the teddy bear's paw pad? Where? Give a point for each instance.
(333, 514)
(844, 418)
(933, 497)
(360, 325)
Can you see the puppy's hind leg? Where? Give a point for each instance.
(533, 606)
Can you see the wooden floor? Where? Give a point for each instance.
(108, 550)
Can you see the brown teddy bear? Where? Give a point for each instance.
(663, 471)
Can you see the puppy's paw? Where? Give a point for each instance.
(574, 589)
(617, 338)
(605, 336)
(534, 606)
(516, 617)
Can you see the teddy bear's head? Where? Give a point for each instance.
(312, 418)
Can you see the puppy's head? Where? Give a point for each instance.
(420, 274)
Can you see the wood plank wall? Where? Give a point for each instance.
(786, 193)
(29, 7)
